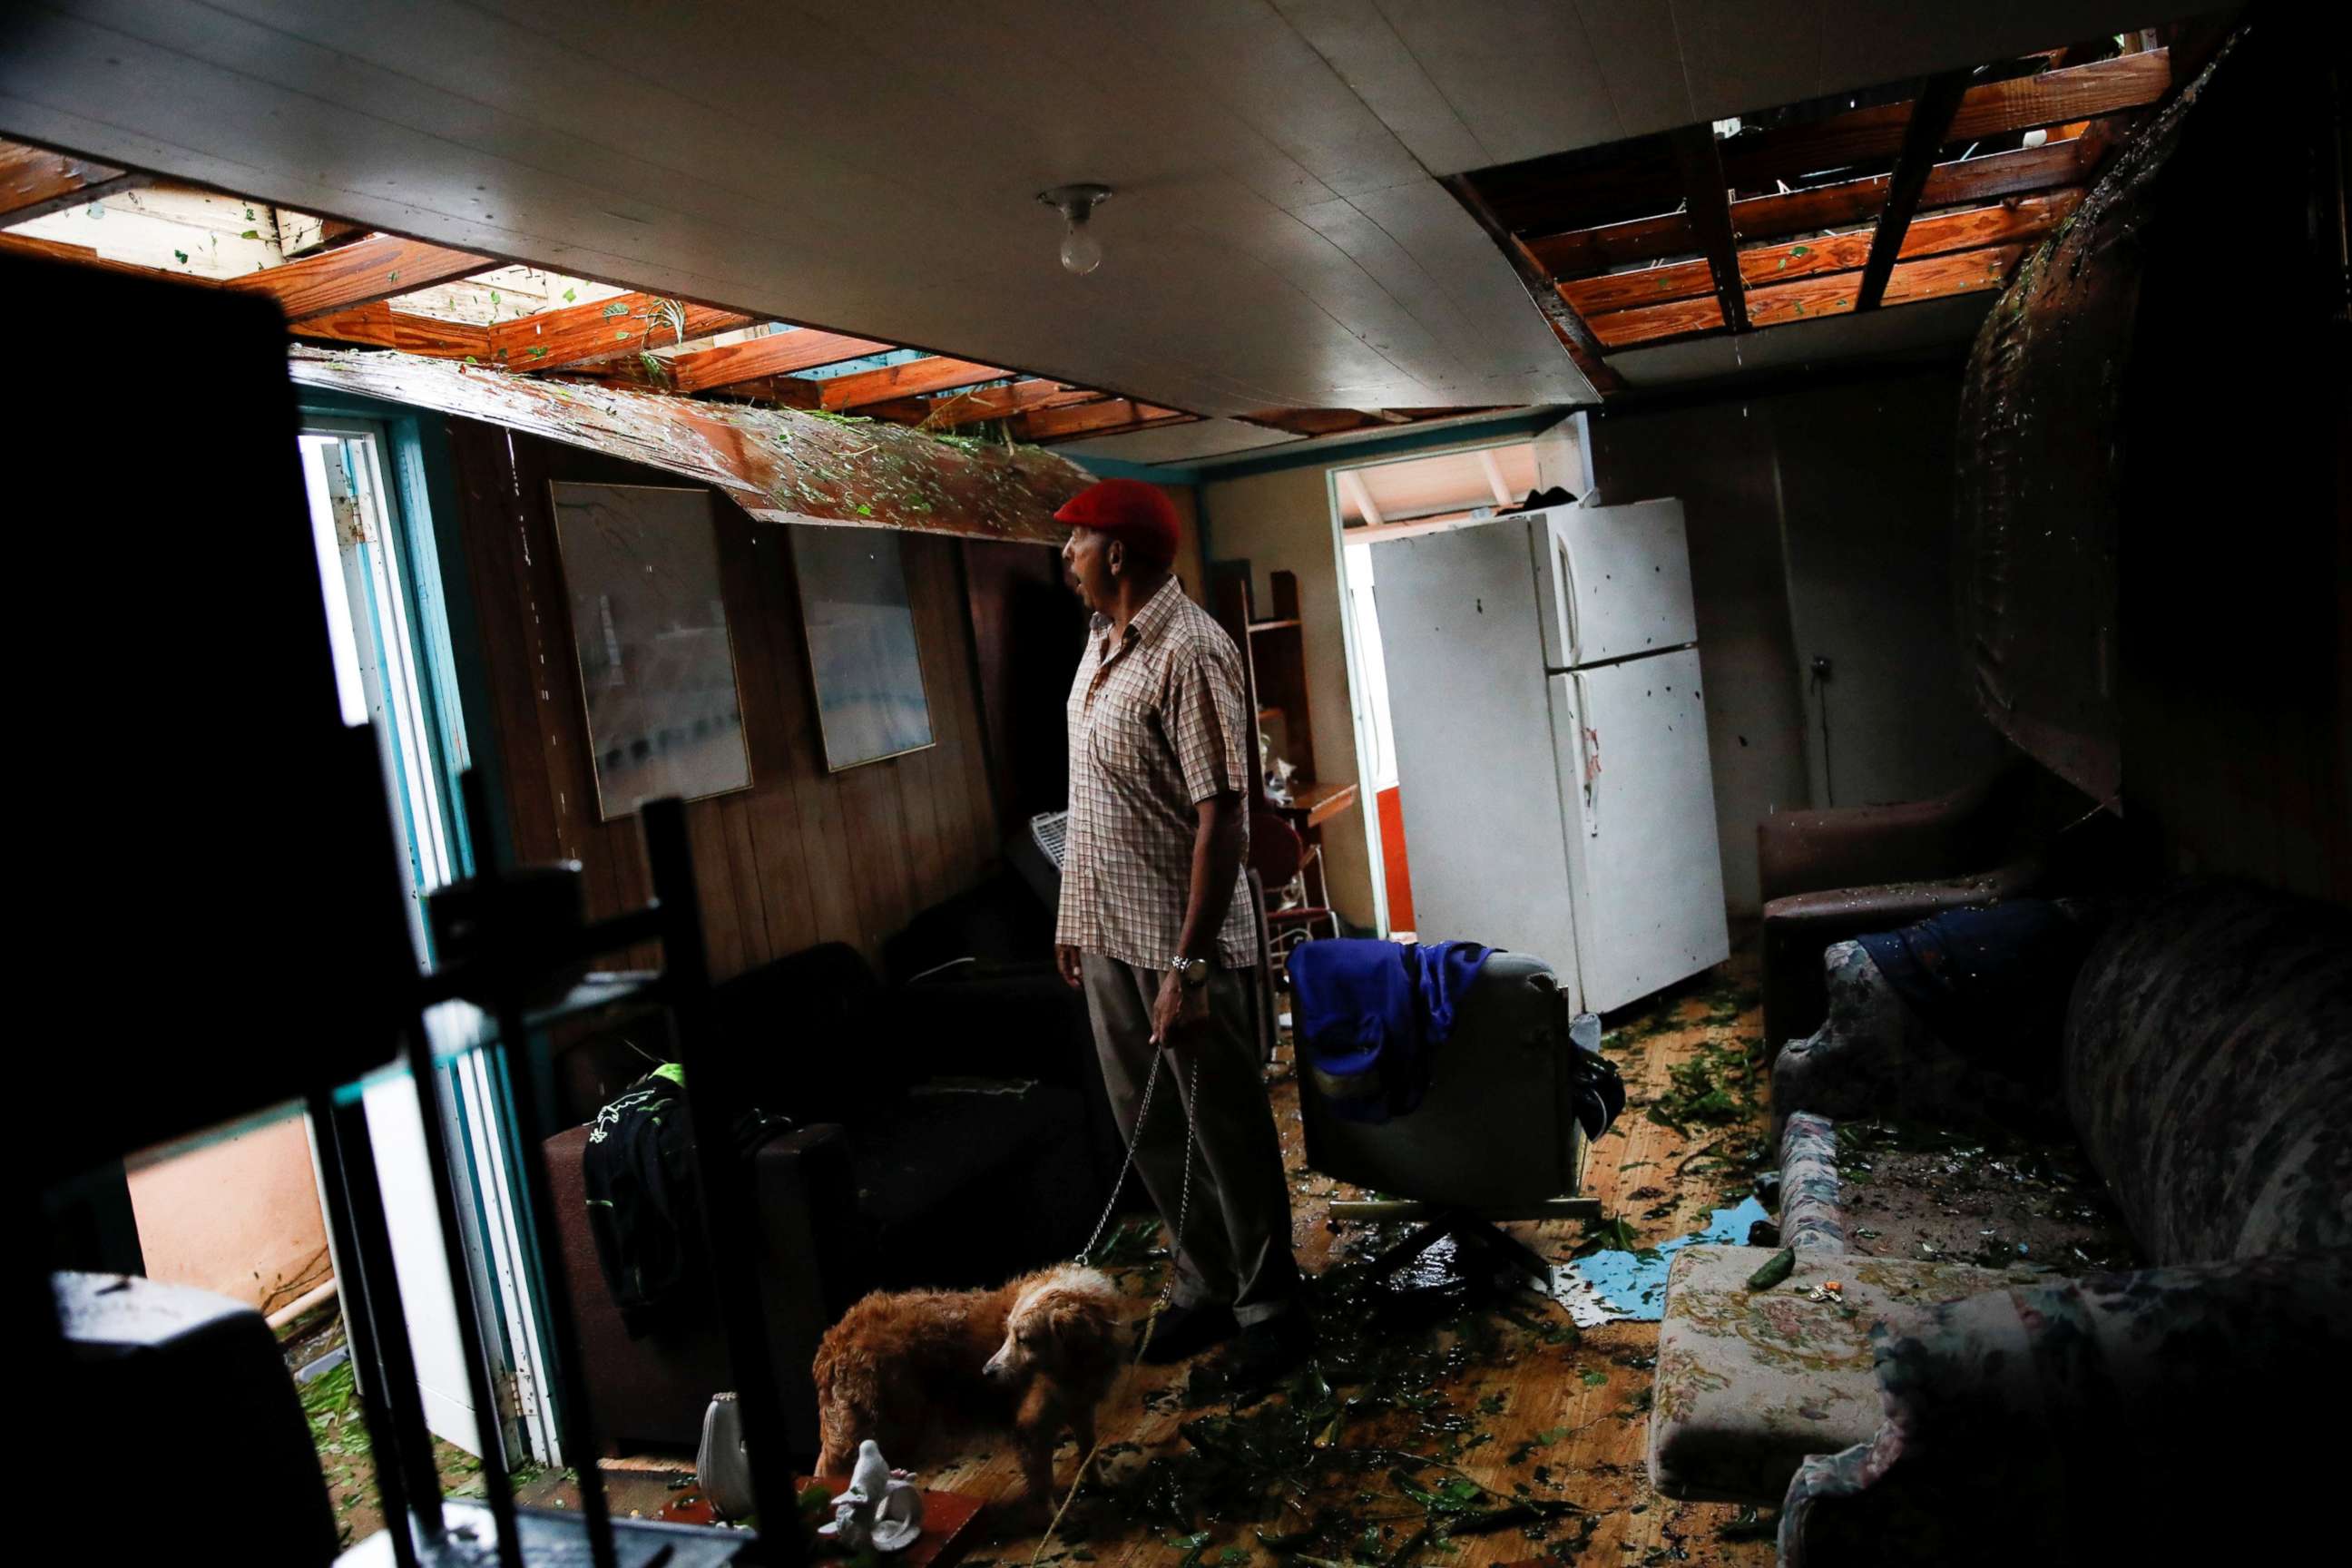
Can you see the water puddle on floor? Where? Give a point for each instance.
(1617, 1287)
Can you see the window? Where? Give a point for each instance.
(370, 608)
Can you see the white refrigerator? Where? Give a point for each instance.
(1546, 703)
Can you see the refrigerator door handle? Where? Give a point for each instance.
(1588, 759)
(1574, 645)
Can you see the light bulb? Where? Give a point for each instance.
(1081, 251)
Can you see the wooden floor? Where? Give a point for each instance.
(1589, 1398)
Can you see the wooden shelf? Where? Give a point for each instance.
(1316, 803)
(1257, 627)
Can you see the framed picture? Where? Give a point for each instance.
(656, 665)
(863, 658)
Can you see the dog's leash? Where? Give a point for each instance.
(1175, 1251)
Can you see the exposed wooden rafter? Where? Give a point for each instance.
(2026, 217)
(1959, 182)
(1931, 126)
(360, 273)
(1700, 157)
(933, 372)
(778, 353)
(1575, 192)
(982, 402)
(35, 181)
(624, 324)
(378, 325)
(1831, 294)
(1108, 417)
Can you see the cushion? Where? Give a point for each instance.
(2140, 1417)
(1751, 1382)
(2209, 1071)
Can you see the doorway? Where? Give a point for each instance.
(1393, 500)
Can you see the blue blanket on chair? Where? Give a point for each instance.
(1369, 1012)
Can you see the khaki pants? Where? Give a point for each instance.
(1235, 1249)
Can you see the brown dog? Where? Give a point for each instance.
(1036, 1355)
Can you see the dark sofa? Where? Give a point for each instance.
(948, 1132)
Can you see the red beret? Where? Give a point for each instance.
(1129, 510)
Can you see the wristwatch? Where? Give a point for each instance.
(1191, 971)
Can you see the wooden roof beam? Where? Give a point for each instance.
(378, 325)
(1959, 183)
(1565, 192)
(933, 372)
(360, 273)
(778, 353)
(1700, 159)
(981, 403)
(624, 324)
(1831, 294)
(36, 181)
(1781, 261)
(1111, 417)
(1930, 128)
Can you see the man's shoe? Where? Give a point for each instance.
(1267, 1351)
(1181, 1331)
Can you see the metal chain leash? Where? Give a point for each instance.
(1175, 1250)
(1184, 1198)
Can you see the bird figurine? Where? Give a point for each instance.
(881, 1507)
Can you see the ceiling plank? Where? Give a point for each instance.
(1960, 182)
(35, 181)
(360, 273)
(934, 372)
(378, 325)
(2026, 217)
(1931, 127)
(1575, 337)
(778, 353)
(1700, 157)
(626, 324)
(1107, 418)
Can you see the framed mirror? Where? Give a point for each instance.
(650, 624)
(864, 660)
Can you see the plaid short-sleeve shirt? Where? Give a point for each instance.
(1157, 726)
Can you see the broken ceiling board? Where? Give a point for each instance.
(1179, 443)
(360, 273)
(35, 181)
(778, 465)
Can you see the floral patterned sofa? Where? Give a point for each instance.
(1948, 1411)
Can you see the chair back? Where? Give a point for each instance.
(1276, 851)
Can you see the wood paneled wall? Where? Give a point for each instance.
(803, 856)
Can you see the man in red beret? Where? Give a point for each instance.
(1154, 922)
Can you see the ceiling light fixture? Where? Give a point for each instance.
(1081, 251)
